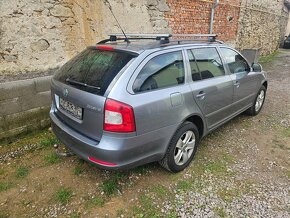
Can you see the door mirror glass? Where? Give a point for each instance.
(257, 67)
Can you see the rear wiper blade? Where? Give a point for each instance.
(81, 84)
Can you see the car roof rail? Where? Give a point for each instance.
(195, 37)
(163, 38)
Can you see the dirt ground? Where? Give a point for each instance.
(240, 170)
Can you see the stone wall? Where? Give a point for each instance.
(36, 35)
(24, 106)
(262, 25)
(288, 26)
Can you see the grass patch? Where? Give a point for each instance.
(3, 215)
(78, 170)
(228, 195)
(268, 58)
(49, 141)
(141, 169)
(52, 158)
(96, 201)
(109, 187)
(75, 215)
(217, 167)
(288, 174)
(63, 195)
(147, 209)
(183, 185)
(5, 186)
(2, 171)
(160, 190)
(21, 172)
(220, 212)
(120, 212)
(286, 132)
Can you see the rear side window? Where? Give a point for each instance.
(209, 62)
(235, 61)
(93, 70)
(161, 71)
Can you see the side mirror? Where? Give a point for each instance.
(257, 67)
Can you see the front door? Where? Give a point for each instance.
(245, 82)
(212, 88)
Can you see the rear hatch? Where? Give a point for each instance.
(78, 88)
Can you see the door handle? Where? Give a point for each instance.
(201, 95)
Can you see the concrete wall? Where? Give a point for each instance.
(24, 106)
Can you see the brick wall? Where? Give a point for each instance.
(187, 16)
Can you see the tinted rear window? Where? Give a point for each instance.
(93, 67)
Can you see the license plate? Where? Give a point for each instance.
(70, 108)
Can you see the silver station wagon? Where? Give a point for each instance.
(132, 100)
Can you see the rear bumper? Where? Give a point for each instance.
(123, 151)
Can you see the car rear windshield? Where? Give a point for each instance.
(93, 70)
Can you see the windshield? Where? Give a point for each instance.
(93, 70)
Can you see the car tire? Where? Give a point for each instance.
(182, 148)
(258, 103)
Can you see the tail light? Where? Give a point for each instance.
(119, 117)
(105, 47)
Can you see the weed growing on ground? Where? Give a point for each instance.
(228, 194)
(5, 186)
(21, 172)
(183, 185)
(220, 211)
(63, 195)
(52, 158)
(49, 141)
(109, 187)
(2, 171)
(3, 215)
(160, 190)
(286, 132)
(78, 170)
(75, 215)
(96, 201)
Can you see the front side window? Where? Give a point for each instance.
(235, 61)
(161, 71)
(209, 62)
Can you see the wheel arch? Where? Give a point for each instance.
(198, 121)
(265, 84)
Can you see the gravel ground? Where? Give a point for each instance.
(260, 184)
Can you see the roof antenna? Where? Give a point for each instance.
(110, 7)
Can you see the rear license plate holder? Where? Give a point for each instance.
(71, 108)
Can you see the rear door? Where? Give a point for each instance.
(212, 88)
(160, 95)
(79, 86)
(245, 81)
